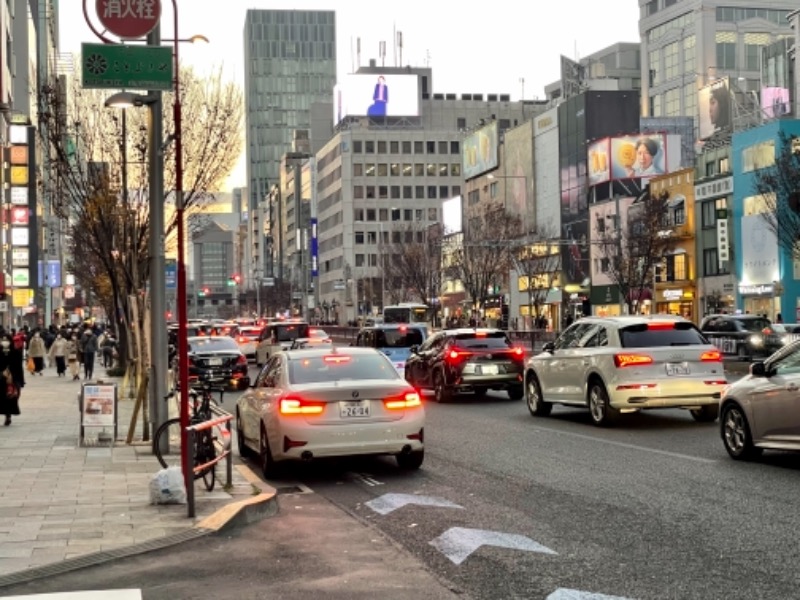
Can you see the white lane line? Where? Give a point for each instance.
(630, 446)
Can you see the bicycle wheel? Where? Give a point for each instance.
(167, 443)
(206, 452)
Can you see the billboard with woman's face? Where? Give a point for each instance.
(638, 156)
(714, 106)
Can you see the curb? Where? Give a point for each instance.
(231, 516)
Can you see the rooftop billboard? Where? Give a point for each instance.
(372, 95)
(479, 151)
(637, 156)
(714, 106)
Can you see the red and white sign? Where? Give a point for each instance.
(129, 19)
(19, 215)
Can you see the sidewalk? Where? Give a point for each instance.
(63, 503)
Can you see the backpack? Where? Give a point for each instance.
(19, 341)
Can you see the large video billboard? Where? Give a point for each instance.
(714, 106)
(599, 161)
(452, 215)
(638, 156)
(376, 95)
(775, 102)
(479, 151)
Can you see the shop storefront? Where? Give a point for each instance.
(547, 313)
(677, 301)
(605, 300)
(641, 301)
(761, 299)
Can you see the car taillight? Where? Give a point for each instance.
(242, 360)
(242, 339)
(632, 360)
(517, 353)
(405, 400)
(661, 325)
(711, 356)
(336, 358)
(295, 405)
(455, 355)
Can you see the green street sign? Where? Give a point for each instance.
(115, 66)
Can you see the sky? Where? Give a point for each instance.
(470, 51)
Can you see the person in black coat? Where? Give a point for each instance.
(11, 359)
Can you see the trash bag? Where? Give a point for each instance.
(167, 487)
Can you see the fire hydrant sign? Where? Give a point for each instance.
(129, 19)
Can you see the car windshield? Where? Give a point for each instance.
(402, 337)
(339, 367)
(755, 325)
(496, 339)
(653, 335)
(288, 333)
(212, 344)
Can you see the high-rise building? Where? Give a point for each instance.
(290, 63)
(688, 44)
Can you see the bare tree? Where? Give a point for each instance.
(486, 253)
(87, 159)
(537, 261)
(413, 267)
(634, 246)
(778, 185)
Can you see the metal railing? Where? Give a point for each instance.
(223, 448)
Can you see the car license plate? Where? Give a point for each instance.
(677, 368)
(488, 370)
(349, 410)
(214, 362)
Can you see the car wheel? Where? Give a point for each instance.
(516, 392)
(706, 414)
(268, 465)
(736, 434)
(534, 399)
(411, 461)
(240, 443)
(600, 407)
(441, 392)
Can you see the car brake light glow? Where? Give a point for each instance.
(661, 325)
(711, 356)
(336, 358)
(632, 360)
(294, 405)
(480, 334)
(242, 339)
(455, 355)
(518, 352)
(405, 400)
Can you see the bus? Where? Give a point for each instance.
(406, 312)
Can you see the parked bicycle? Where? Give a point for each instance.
(167, 439)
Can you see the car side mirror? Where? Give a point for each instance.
(549, 347)
(759, 369)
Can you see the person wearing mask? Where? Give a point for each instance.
(10, 362)
(108, 345)
(72, 357)
(37, 351)
(89, 352)
(58, 354)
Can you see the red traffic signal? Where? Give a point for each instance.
(237, 279)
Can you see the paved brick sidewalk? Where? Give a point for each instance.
(60, 500)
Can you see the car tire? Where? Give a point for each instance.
(736, 435)
(268, 466)
(441, 393)
(534, 399)
(600, 409)
(410, 461)
(706, 414)
(516, 392)
(240, 443)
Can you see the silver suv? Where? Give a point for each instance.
(615, 365)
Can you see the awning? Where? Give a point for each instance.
(677, 201)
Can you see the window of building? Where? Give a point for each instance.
(369, 170)
(371, 214)
(383, 169)
(456, 190)
(407, 147)
(383, 192)
(359, 237)
(395, 192)
(358, 169)
(672, 102)
(372, 237)
(711, 168)
(418, 214)
(370, 191)
(442, 147)
(408, 192)
(443, 192)
(381, 147)
(369, 147)
(680, 271)
(444, 169)
(408, 169)
(710, 262)
(383, 214)
(433, 215)
(689, 54)
(708, 214)
(408, 214)
(396, 236)
(654, 61)
(455, 148)
(431, 147)
(408, 237)
(724, 165)
(357, 147)
(395, 214)
(493, 188)
(461, 123)
(394, 147)
(651, 8)
(656, 109)
(358, 214)
(419, 169)
(430, 169)
(359, 260)
(754, 43)
(419, 191)
(758, 156)
(679, 214)
(431, 191)
(358, 192)
(726, 50)
(394, 169)
(473, 197)
(455, 169)
(419, 148)
(671, 61)
(690, 99)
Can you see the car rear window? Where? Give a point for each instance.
(289, 333)
(404, 337)
(754, 324)
(212, 344)
(340, 367)
(650, 335)
(496, 339)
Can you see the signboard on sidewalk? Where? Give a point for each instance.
(114, 66)
(99, 405)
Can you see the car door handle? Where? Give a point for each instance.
(792, 387)
(585, 362)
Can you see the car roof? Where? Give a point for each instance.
(626, 320)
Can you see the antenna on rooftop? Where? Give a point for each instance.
(400, 46)
(382, 52)
(358, 52)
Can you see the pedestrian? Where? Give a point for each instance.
(89, 352)
(108, 346)
(72, 357)
(58, 353)
(37, 351)
(11, 365)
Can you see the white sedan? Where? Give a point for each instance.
(327, 402)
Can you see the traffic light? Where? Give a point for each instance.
(203, 292)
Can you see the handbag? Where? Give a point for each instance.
(12, 391)
(31, 366)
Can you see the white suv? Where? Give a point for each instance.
(614, 365)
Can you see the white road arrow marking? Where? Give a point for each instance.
(457, 543)
(388, 502)
(565, 594)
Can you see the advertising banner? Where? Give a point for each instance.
(759, 251)
(314, 248)
(774, 102)
(599, 161)
(714, 107)
(479, 151)
(371, 95)
(636, 156)
(171, 273)
(98, 405)
(452, 215)
(52, 270)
